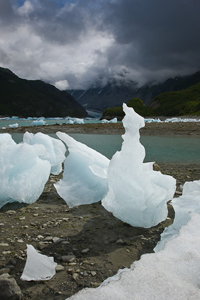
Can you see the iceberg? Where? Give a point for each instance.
(14, 125)
(78, 121)
(85, 174)
(38, 122)
(183, 206)
(23, 173)
(38, 266)
(114, 120)
(55, 149)
(136, 194)
(104, 121)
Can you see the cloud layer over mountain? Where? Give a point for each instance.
(73, 43)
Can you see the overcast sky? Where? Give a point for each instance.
(74, 43)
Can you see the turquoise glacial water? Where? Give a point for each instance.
(160, 149)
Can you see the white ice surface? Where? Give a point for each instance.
(85, 174)
(137, 194)
(38, 122)
(23, 173)
(38, 266)
(14, 125)
(173, 273)
(78, 121)
(183, 206)
(55, 149)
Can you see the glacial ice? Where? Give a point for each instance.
(85, 174)
(183, 206)
(172, 273)
(136, 193)
(38, 266)
(78, 121)
(15, 125)
(114, 120)
(38, 122)
(55, 149)
(23, 173)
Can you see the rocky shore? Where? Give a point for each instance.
(154, 128)
(87, 242)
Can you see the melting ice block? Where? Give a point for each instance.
(55, 149)
(169, 274)
(85, 174)
(183, 206)
(137, 194)
(22, 173)
(38, 266)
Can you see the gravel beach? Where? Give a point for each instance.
(87, 242)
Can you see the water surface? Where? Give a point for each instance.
(160, 149)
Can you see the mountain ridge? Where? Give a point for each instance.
(113, 95)
(35, 98)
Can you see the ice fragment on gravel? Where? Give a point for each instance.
(23, 173)
(85, 174)
(55, 149)
(183, 206)
(137, 194)
(38, 266)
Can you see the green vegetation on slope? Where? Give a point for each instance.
(179, 103)
(137, 104)
(184, 102)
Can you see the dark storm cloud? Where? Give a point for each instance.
(84, 40)
(159, 34)
(7, 15)
(60, 21)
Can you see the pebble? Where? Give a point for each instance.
(94, 284)
(59, 268)
(93, 273)
(65, 242)
(72, 264)
(85, 274)
(40, 237)
(20, 241)
(4, 245)
(178, 193)
(11, 212)
(48, 238)
(75, 276)
(85, 250)
(120, 242)
(56, 240)
(68, 258)
(6, 252)
(9, 288)
(70, 271)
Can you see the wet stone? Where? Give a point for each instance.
(9, 288)
(75, 276)
(59, 268)
(4, 245)
(85, 250)
(68, 258)
(120, 242)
